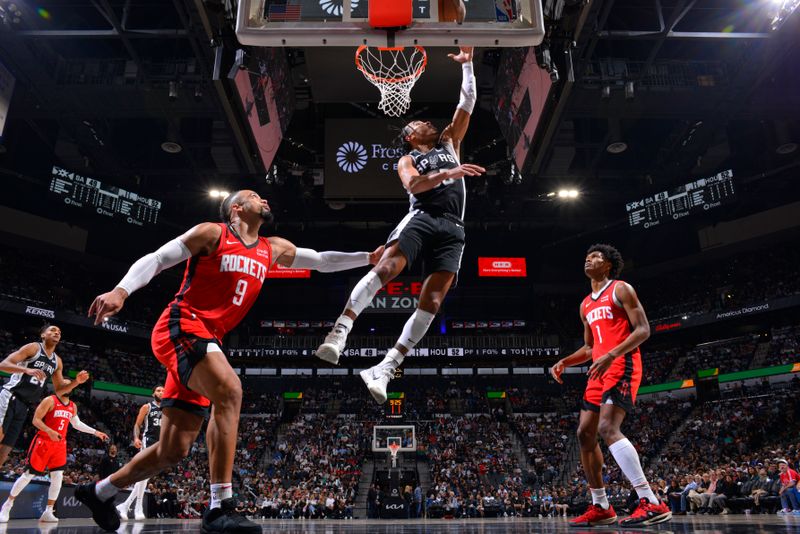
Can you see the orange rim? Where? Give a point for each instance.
(381, 79)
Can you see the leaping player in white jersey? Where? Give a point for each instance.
(434, 229)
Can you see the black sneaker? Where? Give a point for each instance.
(226, 519)
(103, 512)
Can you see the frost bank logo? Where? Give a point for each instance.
(351, 157)
(335, 7)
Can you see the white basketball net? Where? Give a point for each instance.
(394, 71)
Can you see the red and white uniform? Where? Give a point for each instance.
(216, 293)
(44, 454)
(610, 326)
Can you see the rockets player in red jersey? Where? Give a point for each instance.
(48, 450)
(614, 325)
(226, 264)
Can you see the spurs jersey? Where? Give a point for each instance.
(219, 289)
(28, 388)
(58, 418)
(450, 196)
(607, 319)
(152, 424)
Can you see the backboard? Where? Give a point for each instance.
(382, 435)
(300, 23)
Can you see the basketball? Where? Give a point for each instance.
(449, 10)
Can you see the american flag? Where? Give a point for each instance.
(282, 12)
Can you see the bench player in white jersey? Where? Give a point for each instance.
(150, 416)
(433, 230)
(30, 366)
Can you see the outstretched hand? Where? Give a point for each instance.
(107, 304)
(463, 56)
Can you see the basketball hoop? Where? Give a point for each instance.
(394, 71)
(393, 448)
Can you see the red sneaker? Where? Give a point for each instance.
(647, 513)
(595, 515)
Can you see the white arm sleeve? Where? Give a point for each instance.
(328, 262)
(146, 267)
(467, 101)
(80, 425)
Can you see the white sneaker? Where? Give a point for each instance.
(5, 511)
(48, 517)
(333, 346)
(122, 509)
(138, 515)
(377, 378)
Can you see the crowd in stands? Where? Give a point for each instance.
(784, 346)
(726, 355)
(725, 284)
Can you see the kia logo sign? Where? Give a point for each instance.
(505, 267)
(351, 156)
(395, 506)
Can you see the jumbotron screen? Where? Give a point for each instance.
(700, 195)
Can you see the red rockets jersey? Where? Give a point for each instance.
(58, 417)
(607, 319)
(219, 289)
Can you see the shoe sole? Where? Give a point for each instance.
(609, 521)
(328, 352)
(376, 393)
(48, 521)
(652, 521)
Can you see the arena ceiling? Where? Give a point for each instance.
(713, 86)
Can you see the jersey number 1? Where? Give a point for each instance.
(599, 335)
(241, 289)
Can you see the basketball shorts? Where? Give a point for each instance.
(180, 342)
(13, 413)
(46, 455)
(437, 240)
(617, 386)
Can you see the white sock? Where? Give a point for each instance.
(364, 292)
(138, 493)
(599, 497)
(105, 489)
(344, 322)
(414, 330)
(394, 358)
(20, 483)
(627, 458)
(220, 492)
(56, 479)
(48, 508)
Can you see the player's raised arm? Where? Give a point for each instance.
(137, 426)
(38, 418)
(200, 240)
(287, 254)
(583, 354)
(10, 364)
(63, 385)
(456, 130)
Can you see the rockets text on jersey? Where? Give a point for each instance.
(59, 416)
(607, 319)
(219, 289)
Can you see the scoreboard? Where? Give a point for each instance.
(697, 196)
(107, 200)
